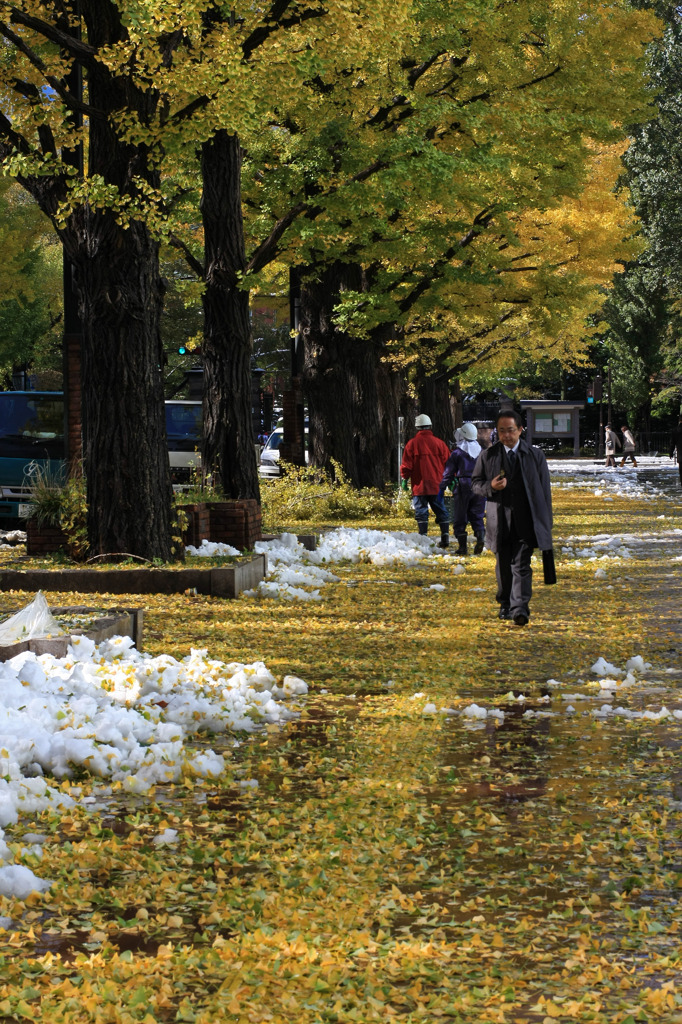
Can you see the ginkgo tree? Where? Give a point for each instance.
(297, 47)
(406, 208)
(30, 285)
(541, 301)
(45, 118)
(159, 79)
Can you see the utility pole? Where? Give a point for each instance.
(610, 419)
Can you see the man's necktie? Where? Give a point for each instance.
(511, 455)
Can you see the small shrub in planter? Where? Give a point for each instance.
(59, 511)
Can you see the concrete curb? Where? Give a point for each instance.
(116, 622)
(226, 581)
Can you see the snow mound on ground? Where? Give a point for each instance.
(292, 567)
(602, 667)
(211, 549)
(120, 715)
(19, 881)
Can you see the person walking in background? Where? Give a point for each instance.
(676, 445)
(468, 507)
(514, 479)
(628, 446)
(611, 442)
(423, 463)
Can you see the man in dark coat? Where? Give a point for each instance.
(514, 478)
(676, 443)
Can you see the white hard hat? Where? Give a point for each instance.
(422, 421)
(469, 431)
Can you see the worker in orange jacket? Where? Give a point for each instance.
(423, 463)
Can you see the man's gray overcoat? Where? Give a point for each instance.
(535, 474)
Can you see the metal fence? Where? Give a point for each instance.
(480, 412)
(654, 442)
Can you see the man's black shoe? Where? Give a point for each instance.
(520, 619)
(503, 613)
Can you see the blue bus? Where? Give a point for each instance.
(32, 440)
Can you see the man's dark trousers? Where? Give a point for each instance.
(514, 575)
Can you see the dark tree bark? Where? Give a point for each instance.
(391, 389)
(326, 382)
(434, 399)
(125, 449)
(229, 451)
(116, 276)
(121, 295)
(352, 396)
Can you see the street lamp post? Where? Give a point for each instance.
(73, 330)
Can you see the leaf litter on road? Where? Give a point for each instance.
(368, 861)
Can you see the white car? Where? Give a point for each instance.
(269, 457)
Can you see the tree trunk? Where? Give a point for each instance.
(456, 402)
(126, 467)
(229, 446)
(116, 268)
(350, 393)
(390, 390)
(326, 382)
(433, 398)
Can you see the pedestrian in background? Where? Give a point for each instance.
(611, 442)
(628, 446)
(676, 445)
(423, 463)
(514, 479)
(467, 506)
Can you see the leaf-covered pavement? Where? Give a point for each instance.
(391, 863)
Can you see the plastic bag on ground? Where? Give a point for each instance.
(32, 621)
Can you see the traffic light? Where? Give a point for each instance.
(594, 391)
(182, 350)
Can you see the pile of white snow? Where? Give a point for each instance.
(121, 715)
(212, 549)
(295, 573)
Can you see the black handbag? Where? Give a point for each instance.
(548, 567)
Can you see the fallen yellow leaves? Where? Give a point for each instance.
(386, 866)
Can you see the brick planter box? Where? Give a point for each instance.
(198, 526)
(42, 540)
(236, 522)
